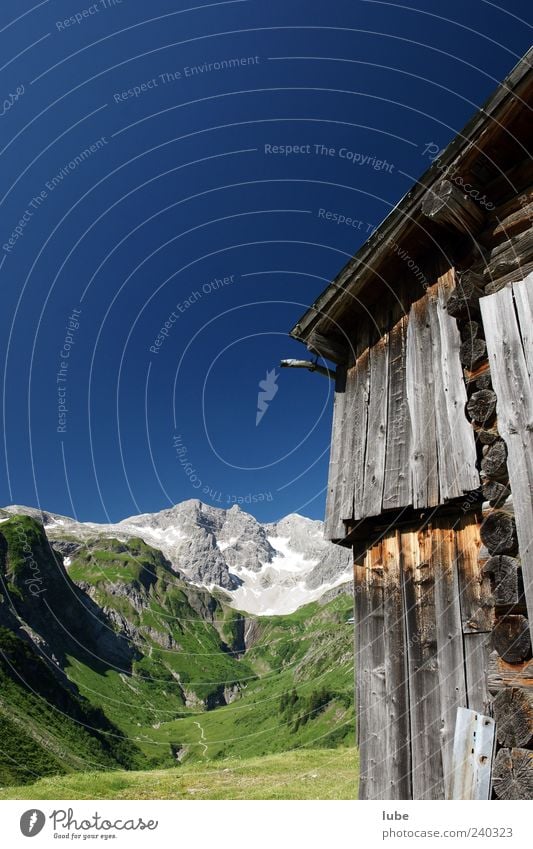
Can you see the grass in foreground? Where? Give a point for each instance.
(301, 774)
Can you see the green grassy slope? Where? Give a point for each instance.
(315, 774)
(45, 728)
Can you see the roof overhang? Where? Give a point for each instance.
(352, 288)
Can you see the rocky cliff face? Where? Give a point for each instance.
(272, 568)
(39, 596)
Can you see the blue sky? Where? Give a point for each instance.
(159, 240)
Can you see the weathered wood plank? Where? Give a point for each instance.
(377, 428)
(523, 298)
(477, 614)
(397, 489)
(396, 687)
(472, 756)
(445, 458)
(361, 611)
(344, 486)
(512, 383)
(449, 633)
(421, 402)
(376, 706)
(461, 437)
(478, 647)
(477, 606)
(424, 696)
(357, 424)
(333, 528)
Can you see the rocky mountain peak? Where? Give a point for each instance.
(273, 568)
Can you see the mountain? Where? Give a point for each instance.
(265, 568)
(110, 657)
(46, 726)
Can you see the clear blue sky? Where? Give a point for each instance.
(178, 188)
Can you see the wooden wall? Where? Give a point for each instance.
(400, 435)
(508, 531)
(445, 609)
(424, 616)
(438, 401)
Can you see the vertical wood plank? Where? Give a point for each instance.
(459, 451)
(333, 527)
(345, 482)
(356, 424)
(377, 428)
(523, 297)
(477, 606)
(378, 760)
(512, 384)
(478, 649)
(450, 650)
(361, 431)
(361, 609)
(424, 695)
(397, 490)
(421, 402)
(477, 611)
(370, 660)
(397, 729)
(445, 455)
(363, 674)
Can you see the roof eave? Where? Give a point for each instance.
(355, 274)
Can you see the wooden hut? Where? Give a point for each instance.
(430, 326)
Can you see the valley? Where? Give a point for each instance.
(116, 660)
